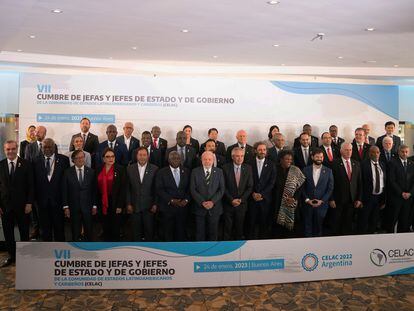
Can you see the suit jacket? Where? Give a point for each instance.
(266, 182)
(22, 148)
(155, 157)
(383, 157)
(274, 155)
(243, 191)
(133, 144)
(141, 193)
(220, 148)
(118, 194)
(355, 152)
(16, 193)
(221, 160)
(167, 189)
(191, 159)
(79, 197)
(49, 190)
(323, 189)
(32, 152)
(314, 142)
(201, 192)
(367, 180)
(248, 153)
(339, 142)
(120, 149)
(91, 144)
(399, 180)
(335, 153)
(195, 144)
(396, 139)
(162, 145)
(371, 141)
(299, 159)
(345, 190)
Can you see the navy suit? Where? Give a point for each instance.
(314, 216)
(396, 139)
(133, 144)
(173, 217)
(259, 212)
(80, 198)
(368, 215)
(120, 149)
(48, 195)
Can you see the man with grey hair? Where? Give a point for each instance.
(130, 141)
(368, 139)
(279, 142)
(387, 152)
(241, 137)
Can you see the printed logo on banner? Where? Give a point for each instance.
(310, 262)
(378, 257)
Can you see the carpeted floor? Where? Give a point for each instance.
(380, 293)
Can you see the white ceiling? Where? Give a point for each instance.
(239, 33)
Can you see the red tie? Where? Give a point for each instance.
(155, 143)
(348, 170)
(360, 151)
(330, 157)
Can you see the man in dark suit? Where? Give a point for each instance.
(360, 149)
(207, 189)
(157, 141)
(79, 196)
(130, 141)
(329, 150)
(141, 196)
(387, 153)
(238, 178)
(187, 153)
(278, 145)
(302, 154)
(48, 173)
(314, 141)
(155, 155)
(90, 141)
(347, 192)
(401, 182)
(317, 191)
(219, 160)
(368, 139)
(120, 149)
(16, 197)
(373, 175)
(336, 140)
(259, 204)
(220, 147)
(172, 186)
(35, 149)
(389, 131)
(241, 137)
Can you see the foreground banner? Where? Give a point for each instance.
(99, 265)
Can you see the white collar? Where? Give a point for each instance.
(52, 157)
(80, 168)
(14, 161)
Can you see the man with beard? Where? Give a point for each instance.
(317, 190)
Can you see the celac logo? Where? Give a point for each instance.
(310, 262)
(378, 257)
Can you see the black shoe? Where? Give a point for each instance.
(7, 262)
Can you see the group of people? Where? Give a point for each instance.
(145, 190)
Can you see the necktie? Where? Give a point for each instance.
(208, 176)
(259, 168)
(330, 156)
(80, 177)
(335, 140)
(11, 170)
(111, 145)
(177, 176)
(306, 155)
(237, 175)
(48, 166)
(84, 139)
(377, 179)
(242, 147)
(405, 166)
(182, 154)
(348, 170)
(387, 154)
(40, 147)
(155, 143)
(360, 151)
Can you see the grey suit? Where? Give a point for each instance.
(140, 194)
(202, 192)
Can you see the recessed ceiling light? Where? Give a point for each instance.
(370, 29)
(276, 45)
(19, 50)
(340, 57)
(282, 64)
(370, 61)
(57, 11)
(185, 30)
(32, 36)
(273, 2)
(215, 56)
(396, 66)
(134, 48)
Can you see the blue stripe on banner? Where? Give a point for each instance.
(184, 249)
(409, 270)
(74, 118)
(241, 265)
